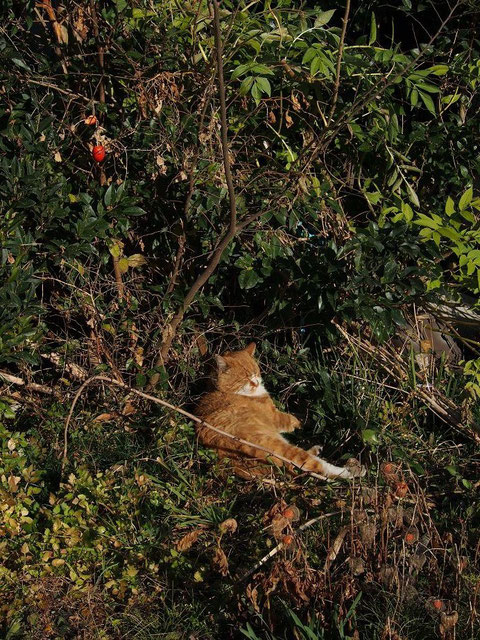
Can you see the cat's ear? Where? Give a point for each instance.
(250, 349)
(221, 363)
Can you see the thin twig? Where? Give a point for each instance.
(164, 403)
(377, 90)
(31, 386)
(281, 545)
(341, 44)
(57, 30)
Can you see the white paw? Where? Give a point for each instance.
(315, 450)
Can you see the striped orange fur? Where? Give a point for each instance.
(241, 406)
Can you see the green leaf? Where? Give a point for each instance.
(264, 85)
(428, 102)
(324, 17)
(425, 221)
(240, 70)
(246, 85)
(370, 436)
(374, 197)
(20, 63)
(449, 206)
(453, 471)
(134, 211)
(123, 265)
(108, 195)
(414, 98)
(439, 69)
(407, 211)
(466, 199)
(308, 55)
(450, 233)
(256, 92)
(248, 279)
(141, 380)
(412, 196)
(429, 88)
(451, 99)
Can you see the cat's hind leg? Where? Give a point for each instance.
(301, 459)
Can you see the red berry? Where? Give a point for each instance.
(98, 153)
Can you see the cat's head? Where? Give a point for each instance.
(238, 372)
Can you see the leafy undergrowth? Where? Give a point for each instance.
(144, 535)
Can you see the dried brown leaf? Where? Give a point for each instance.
(230, 525)
(220, 562)
(188, 540)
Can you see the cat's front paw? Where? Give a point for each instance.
(294, 423)
(288, 423)
(355, 469)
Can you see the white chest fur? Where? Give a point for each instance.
(254, 388)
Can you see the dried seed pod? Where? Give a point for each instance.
(369, 495)
(367, 533)
(279, 523)
(417, 560)
(448, 621)
(410, 517)
(355, 468)
(411, 535)
(359, 516)
(287, 540)
(388, 576)
(357, 566)
(388, 469)
(409, 592)
(292, 513)
(460, 563)
(395, 516)
(435, 606)
(401, 489)
(229, 525)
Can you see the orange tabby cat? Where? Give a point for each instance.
(241, 406)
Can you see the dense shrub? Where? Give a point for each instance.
(355, 164)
